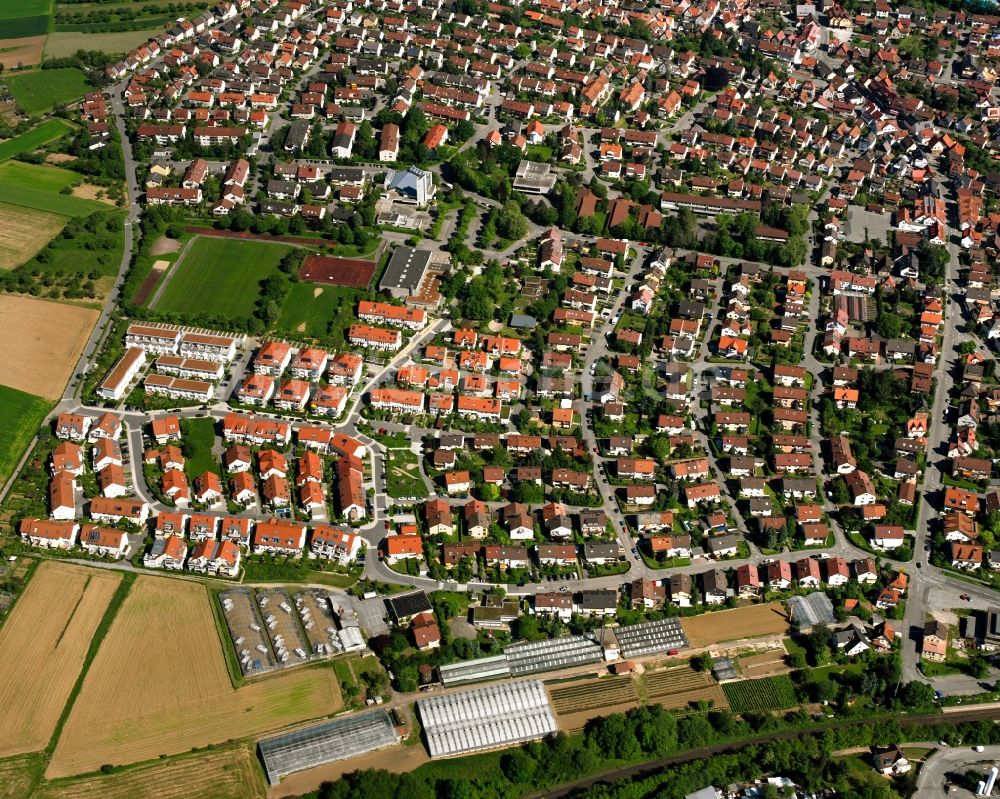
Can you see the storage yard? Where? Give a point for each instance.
(486, 718)
(270, 630)
(42, 649)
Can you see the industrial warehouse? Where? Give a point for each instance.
(486, 718)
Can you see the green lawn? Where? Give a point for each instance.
(21, 415)
(324, 314)
(403, 474)
(37, 176)
(39, 91)
(32, 139)
(198, 437)
(48, 200)
(11, 9)
(220, 276)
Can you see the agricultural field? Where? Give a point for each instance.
(31, 140)
(764, 665)
(51, 201)
(753, 621)
(679, 687)
(24, 232)
(18, 775)
(60, 44)
(198, 436)
(221, 774)
(768, 693)
(20, 417)
(40, 91)
(318, 311)
(185, 697)
(37, 176)
(33, 360)
(591, 695)
(24, 52)
(42, 649)
(576, 703)
(219, 276)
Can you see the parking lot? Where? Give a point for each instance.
(282, 622)
(246, 630)
(318, 621)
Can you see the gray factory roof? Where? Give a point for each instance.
(405, 269)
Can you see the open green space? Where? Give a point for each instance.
(317, 314)
(41, 90)
(90, 247)
(21, 416)
(37, 176)
(402, 474)
(198, 438)
(32, 139)
(47, 200)
(768, 693)
(220, 276)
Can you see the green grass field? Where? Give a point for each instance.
(316, 312)
(41, 90)
(11, 9)
(48, 200)
(33, 139)
(403, 474)
(198, 437)
(220, 276)
(21, 416)
(22, 27)
(37, 176)
(85, 251)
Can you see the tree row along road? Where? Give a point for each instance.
(650, 767)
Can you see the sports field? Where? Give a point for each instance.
(753, 621)
(220, 774)
(34, 360)
(159, 686)
(30, 140)
(24, 232)
(37, 176)
(219, 276)
(20, 417)
(42, 649)
(39, 91)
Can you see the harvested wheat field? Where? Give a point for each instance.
(179, 695)
(752, 621)
(32, 358)
(42, 648)
(220, 774)
(24, 232)
(18, 775)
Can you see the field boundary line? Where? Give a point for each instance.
(76, 607)
(168, 273)
(121, 593)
